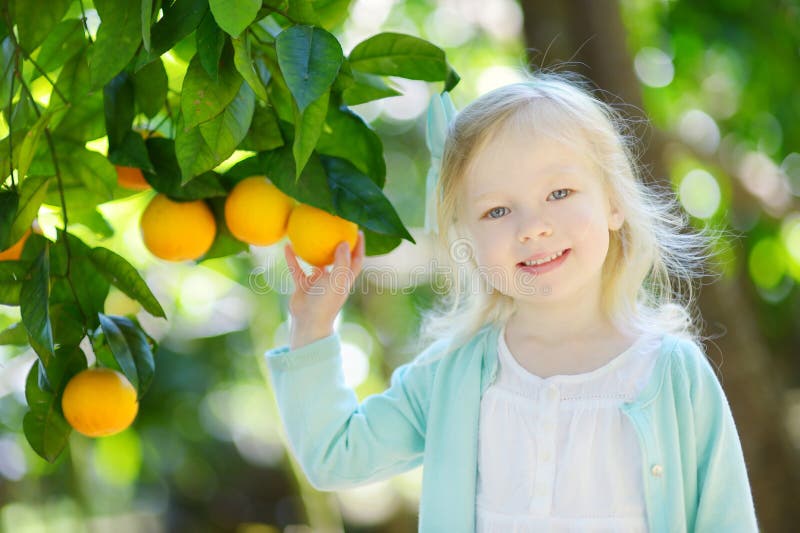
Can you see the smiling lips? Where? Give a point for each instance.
(541, 259)
(547, 266)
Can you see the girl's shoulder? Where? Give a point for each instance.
(688, 357)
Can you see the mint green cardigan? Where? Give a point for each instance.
(695, 478)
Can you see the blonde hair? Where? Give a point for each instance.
(653, 259)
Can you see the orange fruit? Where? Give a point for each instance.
(99, 402)
(315, 233)
(177, 231)
(132, 177)
(256, 211)
(13, 252)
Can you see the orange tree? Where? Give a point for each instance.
(267, 77)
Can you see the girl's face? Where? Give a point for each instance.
(527, 196)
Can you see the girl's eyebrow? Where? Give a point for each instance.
(547, 173)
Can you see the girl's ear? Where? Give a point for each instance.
(615, 219)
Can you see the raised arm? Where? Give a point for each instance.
(338, 442)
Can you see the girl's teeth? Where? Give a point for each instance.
(542, 261)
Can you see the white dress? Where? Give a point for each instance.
(556, 454)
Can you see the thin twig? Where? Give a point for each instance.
(86, 26)
(40, 69)
(10, 133)
(66, 235)
(60, 182)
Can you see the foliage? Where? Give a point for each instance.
(216, 75)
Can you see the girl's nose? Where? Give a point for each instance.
(533, 226)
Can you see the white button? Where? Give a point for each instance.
(548, 426)
(553, 392)
(546, 456)
(541, 492)
(657, 470)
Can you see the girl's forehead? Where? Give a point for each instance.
(534, 156)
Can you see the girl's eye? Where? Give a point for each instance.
(562, 196)
(494, 210)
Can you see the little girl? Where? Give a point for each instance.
(561, 386)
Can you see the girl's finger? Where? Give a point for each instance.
(342, 257)
(358, 254)
(316, 274)
(296, 271)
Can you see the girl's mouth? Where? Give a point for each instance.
(545, 267)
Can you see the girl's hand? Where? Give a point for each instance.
(318, 297)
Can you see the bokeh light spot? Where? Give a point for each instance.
(766, 263)
(699, 193)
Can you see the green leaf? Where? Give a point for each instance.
(60, 46)
(12, 273)
(363, 147)
(83, 120)
(264, 133)
(150, 87)
(67, 322)
(308, 128)
(92, 219)
(35, 21)
(309, 59)
(224, 133)
(179, 20)
(331, 12)
(118, 105)
(126, 278)
(91, 288)
(167, 177)
(7, 67)
(357, 198)
(202, 97)
(131, 152)
(44, 425)
(147, 15)
(87, 169)
(31, 140)
(34, 310)
(452, 78)
(119, 348)
(118, 37)
(15, 334)
(210, 41)
(234, 16)
(9, 201)
(244, 64)
(32, 194)
(397, 54)
(140, 350)
(194, 155)
(302, 12)
(379, 243)
(366, 88)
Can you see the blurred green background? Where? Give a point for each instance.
(718, 81)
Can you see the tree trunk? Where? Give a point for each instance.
(590, 33)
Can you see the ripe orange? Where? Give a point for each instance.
(99, 402)
(256, 211)
(177, 231)
(315, 233)
(132, 177)
(13, 252)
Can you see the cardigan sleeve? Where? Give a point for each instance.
(338, 442)
(725, 502)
